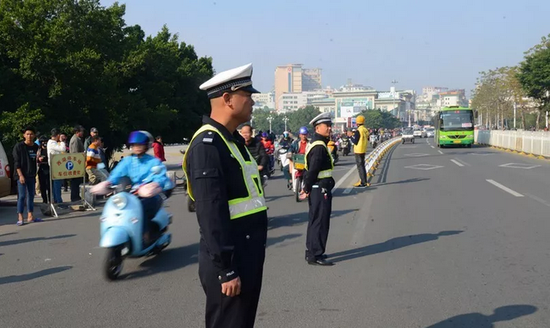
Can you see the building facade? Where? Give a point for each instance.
(262, 100)
(311, 79)
(289, 102)
(288, 79)
(453, 98)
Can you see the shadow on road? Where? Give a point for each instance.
(168, 260)
(478, 320)
(400, 182)
(34, 275)
(273, 198)
(9, 233)
(389, 245)
(29, 240)
(275, 240)
(299, 218)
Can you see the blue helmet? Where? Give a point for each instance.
(303, 130)
(265, 135)
(140, 138)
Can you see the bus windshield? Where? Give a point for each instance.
(459, 120)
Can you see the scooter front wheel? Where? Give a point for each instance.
(113, 263)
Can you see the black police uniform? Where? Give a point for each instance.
(228, 248)
(320, 200)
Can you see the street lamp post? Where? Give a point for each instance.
(394, 82)
(285, 119)
(252, 120)
(270, 118)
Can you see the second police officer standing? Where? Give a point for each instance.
(224, 182)
(318, 184)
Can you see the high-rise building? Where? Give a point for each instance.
(311, 79)
(453, 98)
(288, 79)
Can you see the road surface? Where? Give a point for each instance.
(442, 238)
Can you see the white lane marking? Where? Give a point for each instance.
(432, 146)
(461, 161)
(508, 190)
(540, 200)
(440, 152)
(457, 162)
(519, 166)
(342, 179)
(416, 155)
(424, 167)
(347, 190)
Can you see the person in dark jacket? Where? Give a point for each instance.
(256, 149)
(24, 158)
(43, 170)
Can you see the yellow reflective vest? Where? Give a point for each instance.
(325, 173)
(361, 147)
(255, 201)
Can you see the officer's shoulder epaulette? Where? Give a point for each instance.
(208, 137)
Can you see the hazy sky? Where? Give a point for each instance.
(416, 42)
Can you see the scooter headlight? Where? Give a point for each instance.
(120, 201)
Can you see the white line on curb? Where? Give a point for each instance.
(508, 190)
(457, 163)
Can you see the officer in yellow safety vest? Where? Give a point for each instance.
(224, 182)
(318, 184)
(360, 140)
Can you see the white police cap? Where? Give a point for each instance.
(321, 118)
(239, 78)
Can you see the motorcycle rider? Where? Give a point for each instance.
(344, 143)
(287, 138)
(138, 167)
(269, 150)
(299, 146)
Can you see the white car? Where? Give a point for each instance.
(417, 133)
(430, 133)
(408, 135)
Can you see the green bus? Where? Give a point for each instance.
(454, 125)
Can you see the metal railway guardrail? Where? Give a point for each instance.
(535, 143)
(373, 159)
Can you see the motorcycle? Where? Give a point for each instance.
(345, 146)
(298, 175)
(122, 226)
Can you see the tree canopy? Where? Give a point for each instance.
(66, 62)
(376, 118)
(295, 119)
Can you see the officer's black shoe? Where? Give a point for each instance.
(324, 257)
(321, 262)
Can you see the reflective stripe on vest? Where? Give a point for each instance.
(325, 173)
(361, 147)
(239, 207)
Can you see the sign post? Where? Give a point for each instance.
(69, 166)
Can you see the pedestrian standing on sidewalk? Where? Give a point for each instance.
(76, 145)
(158, 149)
(43, 170)
(63, 139)
(56, 147)
(24, 158)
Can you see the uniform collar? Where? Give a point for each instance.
(317, 137)
(223, 130)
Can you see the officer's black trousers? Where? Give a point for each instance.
(320, 208)
(360, 161)
(239, 311)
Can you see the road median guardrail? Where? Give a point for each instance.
(531, 143)
(373, 159)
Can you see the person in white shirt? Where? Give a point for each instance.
(55, 147)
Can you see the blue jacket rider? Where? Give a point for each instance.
(138, 167)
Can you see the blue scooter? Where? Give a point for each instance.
(121, 228)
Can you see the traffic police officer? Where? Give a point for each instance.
(224, 182)
(318, 184)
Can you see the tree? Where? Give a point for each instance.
(376, 119)
(493, 95)
(77, 62)
(534, 74)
